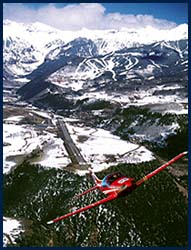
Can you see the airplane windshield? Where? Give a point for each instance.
(109, 179)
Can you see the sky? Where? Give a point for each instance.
(75, 16)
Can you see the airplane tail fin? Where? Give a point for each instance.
(96, 180)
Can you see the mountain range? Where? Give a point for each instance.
(26, 46)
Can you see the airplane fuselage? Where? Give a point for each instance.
(120, 187)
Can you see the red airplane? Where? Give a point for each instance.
(115, 185)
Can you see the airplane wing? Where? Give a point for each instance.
(97, 203)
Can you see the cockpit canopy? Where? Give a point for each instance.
(110, 178)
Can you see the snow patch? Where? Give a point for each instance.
(14, 119)
(101, 149)
(11, 229)
(55, 155)
(20, 141)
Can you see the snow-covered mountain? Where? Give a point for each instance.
(130, 66)
(26, 46)
(78, 65)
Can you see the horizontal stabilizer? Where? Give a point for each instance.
(87, 191)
